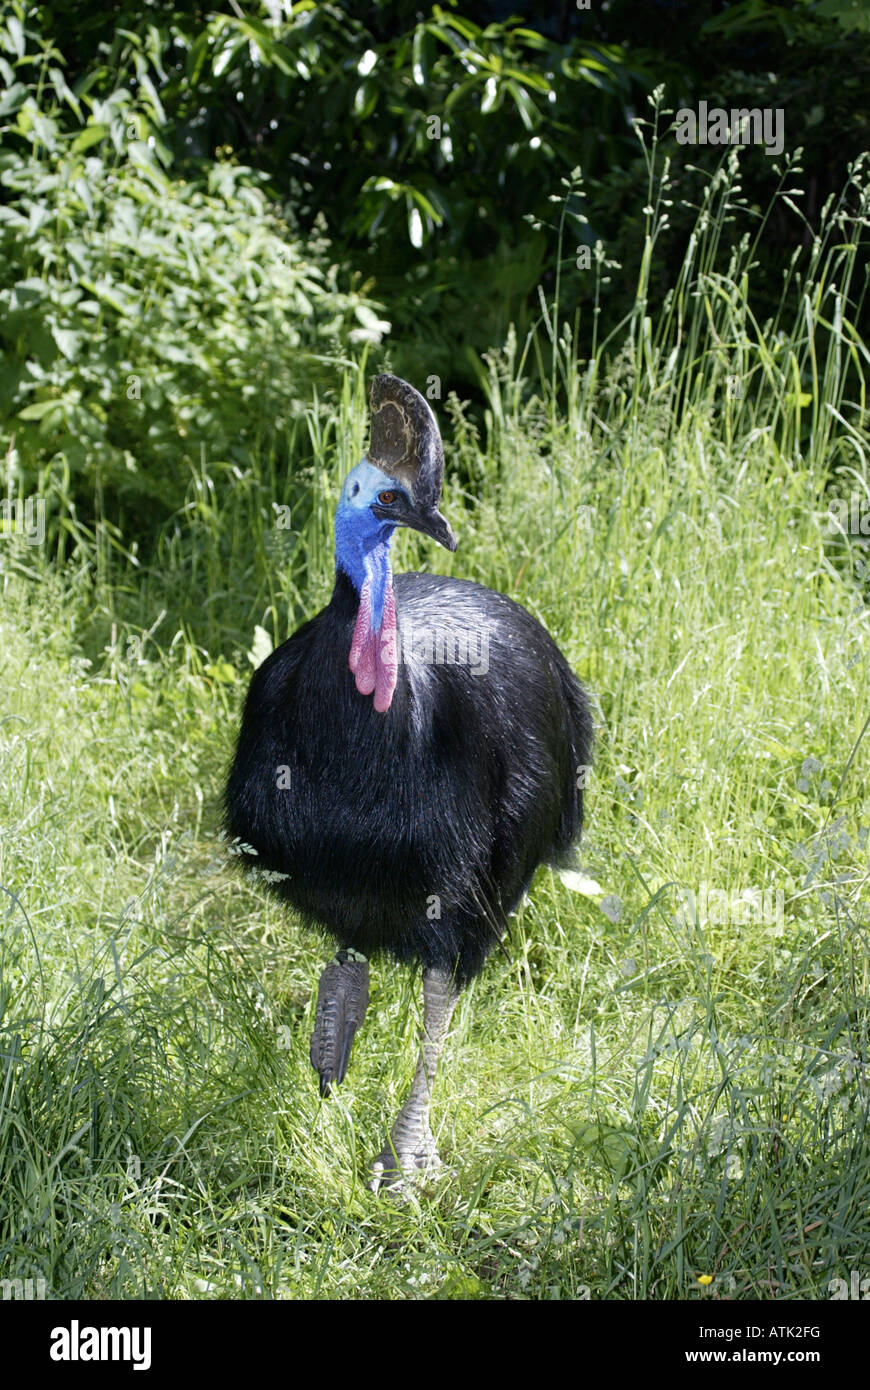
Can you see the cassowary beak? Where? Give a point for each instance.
(432, 524)
(426, 519)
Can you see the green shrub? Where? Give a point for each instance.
(145, 319)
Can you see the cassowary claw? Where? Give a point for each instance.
(342, 1000)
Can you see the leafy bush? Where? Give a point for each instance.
(145, 318)
(430, 136)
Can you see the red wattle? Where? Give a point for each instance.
(373, 656)
(387, 660)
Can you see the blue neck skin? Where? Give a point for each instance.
(362, 540)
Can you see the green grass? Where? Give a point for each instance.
(632, 1096)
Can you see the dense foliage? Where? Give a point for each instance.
(145, 317)
(432, 138)
(160, 166)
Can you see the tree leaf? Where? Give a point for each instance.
(91, 135)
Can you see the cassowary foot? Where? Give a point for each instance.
(395, 1165)
(342, 1000)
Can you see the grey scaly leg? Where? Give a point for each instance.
(342, 1000)
(411, 1145)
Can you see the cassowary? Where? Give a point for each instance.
(406, 761)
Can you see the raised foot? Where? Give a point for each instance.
(342, 1000)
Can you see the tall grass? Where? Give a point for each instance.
(637, 1093)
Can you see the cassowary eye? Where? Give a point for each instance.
(385, 498)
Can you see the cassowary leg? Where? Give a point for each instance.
(411, 1144)
(342, 1000)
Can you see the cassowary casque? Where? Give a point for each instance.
(406, 761)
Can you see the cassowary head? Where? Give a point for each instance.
(406, 447)
(398, 483)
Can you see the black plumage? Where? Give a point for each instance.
(468, 784)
